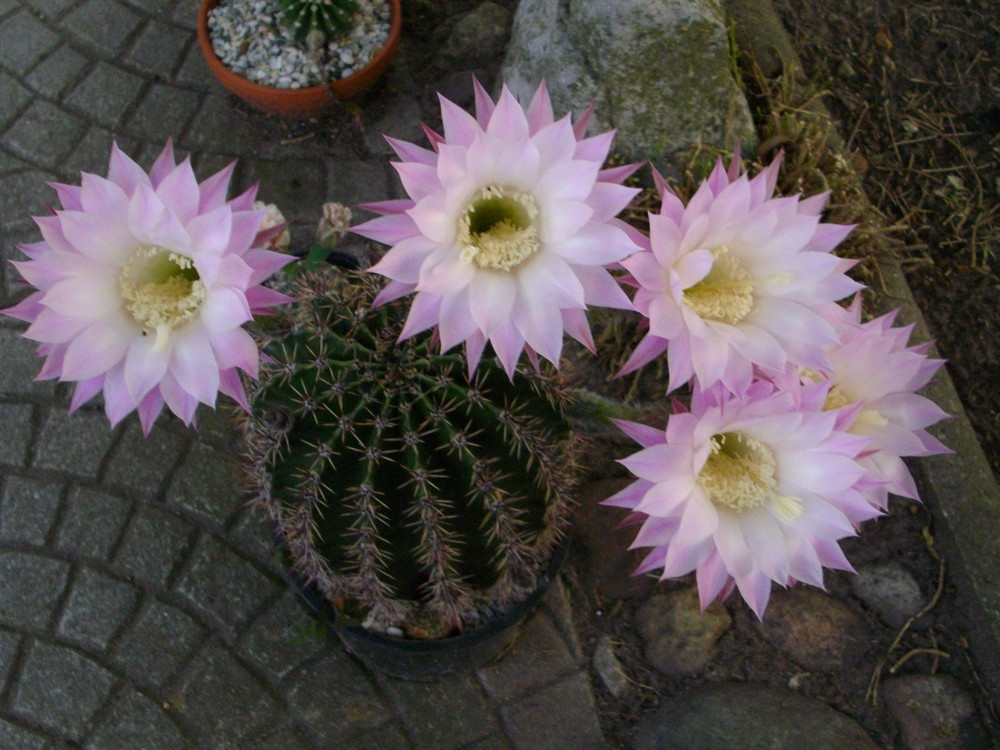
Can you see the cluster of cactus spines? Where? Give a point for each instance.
(406, 493)
(324, 16)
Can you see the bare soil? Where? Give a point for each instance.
(916, 88)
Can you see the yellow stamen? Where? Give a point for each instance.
(740, 474)
(161, 290)
(498, 229)
(726, 292)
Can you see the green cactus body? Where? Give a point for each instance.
(408, 495)
(325, 16)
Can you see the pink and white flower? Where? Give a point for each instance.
(143, 282)
(737, 279)
(747, 489)
(508, 230)
(873, 368)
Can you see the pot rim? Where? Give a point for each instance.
(309, 98)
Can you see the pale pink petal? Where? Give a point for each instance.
(124, 172)
(163, 164)
(213, 190)
(179, 191)
(144, 367)
(152, 223)
(97, 348)
(507, 120)
(187, 365)
(459, 126)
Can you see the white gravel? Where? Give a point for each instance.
(249, 40)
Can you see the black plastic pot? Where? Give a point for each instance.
(431, 660)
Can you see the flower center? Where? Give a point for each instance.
(499, 229)
(868, 418)
(835, 399)
(726, 292)
(161, 290)
(740, 475)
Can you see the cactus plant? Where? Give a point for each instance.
(324, 16)
(408, 495)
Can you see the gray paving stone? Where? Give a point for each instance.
(13, 95)
(155, 542)
(142, 464)
(194, 70)
(18, 210)
(24, 40)
(13, 737)
(159, 48)
(28, 509)
(282, 638)
(44, 134)
(223, 703)
(353, 182)
(97, 607)
(335, 680)
(293, 184)
(59, 689)
(185, 13)
(399, 118)
(561, 715)
(254, 536)
(20, 364)
(387, 737)
(207, 484)
(152, 7)
(492, 742)
(10, 164)
(31, 587)
(8, 649)
(158, 641)
(162, 113)
(215, 426)
(105, 94)
(223, 585)
(57, 72)
(556, 603)
(217, 126)
(51, 8)
(539, 655)
(74, 443)
(446, 714)
(105, 24)
(92, 153)
(134, 722)
(278, 736)
(92, 523)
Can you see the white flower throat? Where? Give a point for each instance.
(499, 228)
(161, 290)
(741, 473)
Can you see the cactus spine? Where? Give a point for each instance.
(410, 496)
(324, 16)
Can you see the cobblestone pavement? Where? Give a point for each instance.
(140, 605)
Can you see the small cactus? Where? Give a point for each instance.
(409, 496)
(324, 16)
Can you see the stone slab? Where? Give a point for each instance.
(60, 689)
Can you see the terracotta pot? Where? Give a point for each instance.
(300, 103)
